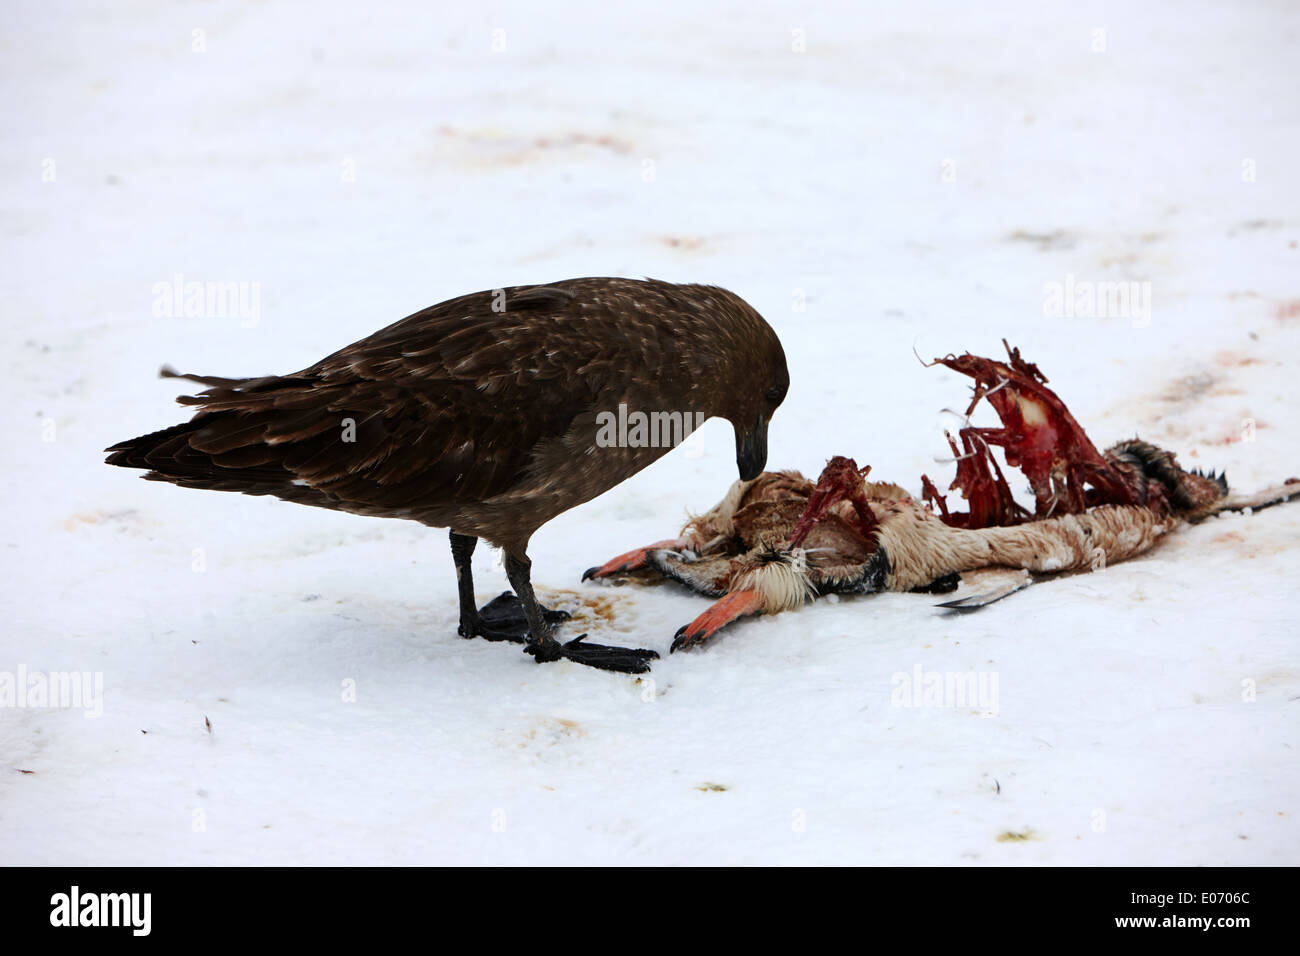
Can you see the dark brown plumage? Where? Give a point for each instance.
(480, 414)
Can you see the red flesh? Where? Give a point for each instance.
(1038, 435)
(840, 479)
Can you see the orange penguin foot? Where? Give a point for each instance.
(722, 612)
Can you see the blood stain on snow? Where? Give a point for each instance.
(550, 731)
(589, 610)
(1289, 310)
(1019, 836)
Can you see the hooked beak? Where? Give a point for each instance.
(751, 449)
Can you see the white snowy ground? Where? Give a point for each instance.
(361, 162)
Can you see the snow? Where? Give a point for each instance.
(353, 165)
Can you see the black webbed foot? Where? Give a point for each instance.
(503, 619)
(624, 660)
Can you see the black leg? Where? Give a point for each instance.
(522, 620)
(543, 645)
(462, 549)
(501, 618)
